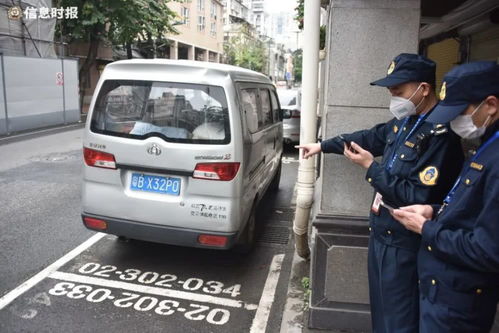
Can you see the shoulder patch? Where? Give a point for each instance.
(429, 176)
(476, 166)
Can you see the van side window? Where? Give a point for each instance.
(250, 106)
(266, 107)
(275, 107)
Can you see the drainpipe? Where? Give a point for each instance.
(308, 121)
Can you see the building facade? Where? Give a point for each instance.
(200, 30)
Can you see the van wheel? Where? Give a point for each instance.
(274, 185)
(246, 241)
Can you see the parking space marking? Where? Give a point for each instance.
(84, 279)
(28, 284)
(259, 324)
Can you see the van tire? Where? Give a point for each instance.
(274, 185)
(247, 240)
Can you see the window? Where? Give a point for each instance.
(213, 30)
(266, 107)
(185, 15)
(201, 23)
(175, 112)
(200, 5)
(249, 99)
(213, 10)
(275, 107)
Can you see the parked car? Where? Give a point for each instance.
(180, 152)
(290, 100)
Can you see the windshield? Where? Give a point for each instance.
(287, 97)
(177, 112)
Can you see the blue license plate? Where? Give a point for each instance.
(156, 184)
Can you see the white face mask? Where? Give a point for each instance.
(402, 107)
(464, 127)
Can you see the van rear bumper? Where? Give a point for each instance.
(158, 233)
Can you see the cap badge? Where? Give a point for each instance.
(391, 68)
(443, 91)
(429, 176)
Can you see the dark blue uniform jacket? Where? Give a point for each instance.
(436, 155)
(460, 247)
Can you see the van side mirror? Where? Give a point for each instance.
(285, 114)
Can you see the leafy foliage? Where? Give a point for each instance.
(297, 64)
(245, 51)
(117, 21)
(300, 13)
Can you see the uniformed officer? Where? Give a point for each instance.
(412, 171)
(458, 261)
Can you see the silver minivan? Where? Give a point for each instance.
(290, 100)
(180, 152)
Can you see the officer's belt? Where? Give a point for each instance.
(391, 237)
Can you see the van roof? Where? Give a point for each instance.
(236, 73)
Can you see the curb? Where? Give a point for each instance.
(293, 318)
(39, 132)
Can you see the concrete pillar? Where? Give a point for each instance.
(206, 55)
(218, 58)
(191, 54)
(174, 50)
(364, 36)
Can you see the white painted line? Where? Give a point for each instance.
(259, 324)
(28, 284)
(84, 279)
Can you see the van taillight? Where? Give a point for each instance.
(99, 159)
(216, 171)
(295, 114)
(95, 223)
(212, 240)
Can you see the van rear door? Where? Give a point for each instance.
(156, 126)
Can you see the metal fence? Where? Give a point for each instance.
(37, 93)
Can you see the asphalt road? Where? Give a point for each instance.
(81, 281)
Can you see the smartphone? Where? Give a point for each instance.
(342, 138)
(390, 208)
(349, 146)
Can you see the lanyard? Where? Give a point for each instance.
(389, 166)
(451, 193)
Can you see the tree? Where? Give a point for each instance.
(297, 64)
(119, 22)
(245, 51)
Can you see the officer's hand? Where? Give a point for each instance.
(310, 149)
(425, 210)
(358, 155)
(411, 221)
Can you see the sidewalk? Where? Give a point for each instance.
(295, 315)
(33, 133)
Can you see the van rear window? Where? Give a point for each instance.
(176, 112)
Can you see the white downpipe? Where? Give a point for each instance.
(308, 121)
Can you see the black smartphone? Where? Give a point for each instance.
(349, 146)
(342, 138)
(390, 208)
